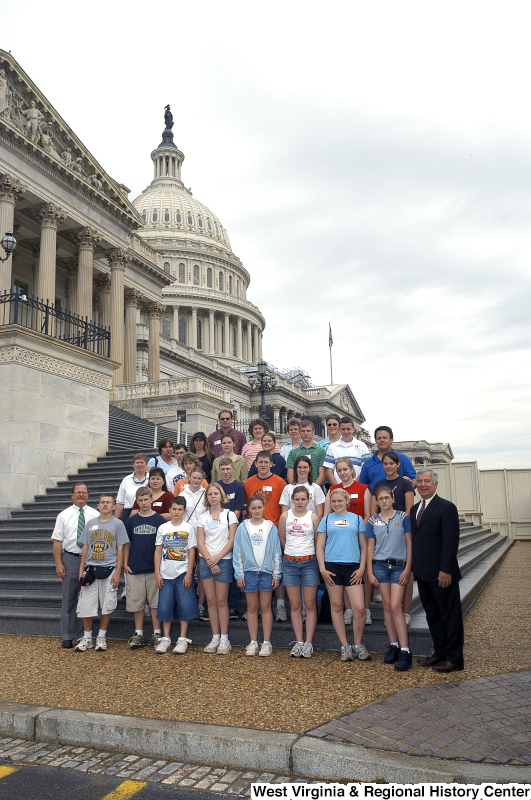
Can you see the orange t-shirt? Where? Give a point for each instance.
(270, 489)
(181, 483)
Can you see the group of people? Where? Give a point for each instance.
(194, 529)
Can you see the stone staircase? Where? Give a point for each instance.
(30, 591)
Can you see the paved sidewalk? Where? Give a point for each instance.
(480, 720)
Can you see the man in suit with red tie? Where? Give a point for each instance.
(435, 534)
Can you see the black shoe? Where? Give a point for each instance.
(66, 644)
(233, 614)
(392, 654)
(404, 662)
(203, 616)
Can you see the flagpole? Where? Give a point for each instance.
(330, 343)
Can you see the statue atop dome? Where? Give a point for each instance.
(168, 118)
(167, 135)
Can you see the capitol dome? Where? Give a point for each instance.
(207, 307)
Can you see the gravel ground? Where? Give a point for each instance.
(261, 693)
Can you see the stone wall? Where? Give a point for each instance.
(54, 412)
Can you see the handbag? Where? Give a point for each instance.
(86, 578)
(100, 573)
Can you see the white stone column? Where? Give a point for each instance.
(193, 332)
(175, 323)
(103, 285)
(249, 343)
(276, 419)
(155, 311)
(10, 192)
(226, 323)
(132, 301)
(255, 345)
(118, 260)
(211, 341)
(239, 340)
(50, 217)
(259, 334)
(87, 239)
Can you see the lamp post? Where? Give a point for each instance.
(262, 382)
(9, 243)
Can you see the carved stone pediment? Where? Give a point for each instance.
(30, 120)
(344, 397)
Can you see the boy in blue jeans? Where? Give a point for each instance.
(174, 565)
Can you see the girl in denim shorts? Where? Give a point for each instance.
(297, 529)
(389, 567)
(257, 561)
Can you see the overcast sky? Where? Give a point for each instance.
(371, 163)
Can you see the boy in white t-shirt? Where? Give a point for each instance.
(174, 566)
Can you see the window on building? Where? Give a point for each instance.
(166, 326)
(181, 273)
(209, 224)
(196, 275)
(155, 216)
(233, 332)
(200, 222)
(178, 217)
(209, 278)
(223, 338)
(217, 229)
(166, 216)
(166, 266)
(144, 216)
(237, 287)
(199, 335)
(190, 220)
(182, 331)
(220, 281)
(230, 284)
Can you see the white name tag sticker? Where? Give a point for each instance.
(159, 503)
(93, 527)
(231, 496)
(267, 488)
(355, 496)
(218, 441)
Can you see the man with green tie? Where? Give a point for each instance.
(67, 552)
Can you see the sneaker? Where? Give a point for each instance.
(252, 649)
(233, 613)
(163, 645)
(368, 618)
(266, 649)
(124, 593)
(281, 616)
(259, 614)
(244, 616)
(407, 618)
(155, 639)
(348, 616)
(101, 643)
(377, 598)
(182, 645)
(303, 614)
(307, 650)
(296, 650)
(392, 654)
(136, 641)
(346, 652)
(147, 611)
(85, 643)
(203, 614)
(404, 662)
(224, 647)
(212, 647)
(361, 652)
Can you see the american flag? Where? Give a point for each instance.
(330, 340)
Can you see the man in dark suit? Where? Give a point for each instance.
(435, 534)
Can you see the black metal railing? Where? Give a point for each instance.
(31, 312)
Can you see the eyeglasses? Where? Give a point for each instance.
(225, 419)
(332, 424)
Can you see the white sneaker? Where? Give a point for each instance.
(377, 597)
(244, 616)
(281, 615)
(348, 616)
(252, 649)
(124, 593)
(296, 650)
(224, 647)
(266, 649)
(212, 647)
(163, 645)
(147, 611)
(85, 643)
(182, 645)
(361, 652)
(101, 643)
(407, 618)
(368, 618)
(303, 614)
(346, 652)
(307, 650)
